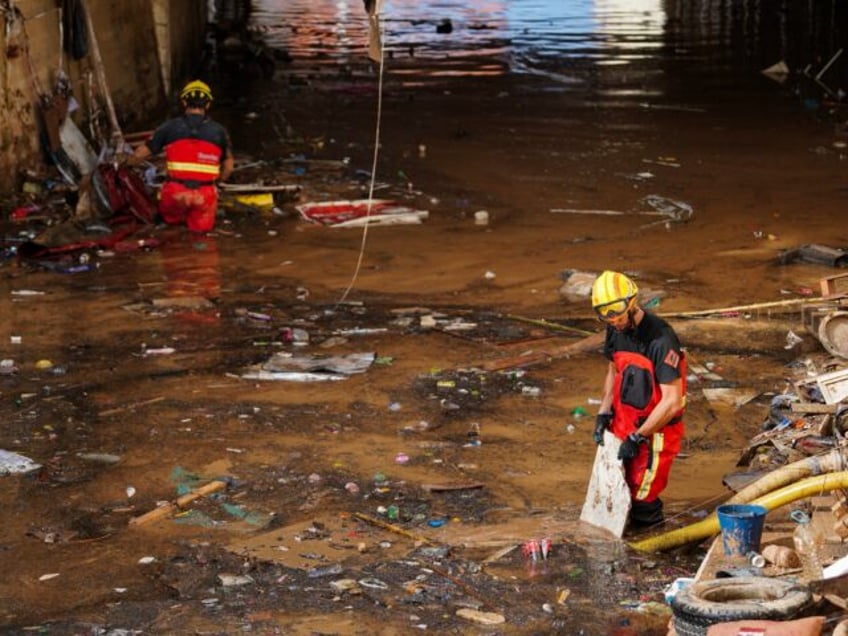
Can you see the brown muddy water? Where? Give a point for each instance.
(127, 385)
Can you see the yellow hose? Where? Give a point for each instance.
(709, 526)
(829, 462)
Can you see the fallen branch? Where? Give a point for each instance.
(548, 325)
(451, 487)
(392, 528)
(135, 405)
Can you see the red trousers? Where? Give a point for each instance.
(647, 473)
(196, 208)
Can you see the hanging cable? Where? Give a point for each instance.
(373, 175)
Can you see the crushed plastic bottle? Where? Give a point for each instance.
(808, 544)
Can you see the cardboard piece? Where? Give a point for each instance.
(607, 503)
(730, 397)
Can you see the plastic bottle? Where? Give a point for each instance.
(808, 544)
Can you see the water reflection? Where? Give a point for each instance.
(567, 42)
(192, 275)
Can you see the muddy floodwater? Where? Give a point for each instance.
(402, 498)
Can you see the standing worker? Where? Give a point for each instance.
(198, 155)
(644, 393)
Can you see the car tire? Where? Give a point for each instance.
(700, 605)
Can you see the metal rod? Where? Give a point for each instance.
(829, 64)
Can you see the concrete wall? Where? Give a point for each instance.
(132, 36)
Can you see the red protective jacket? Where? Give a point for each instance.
(193, 160)
(635, 393)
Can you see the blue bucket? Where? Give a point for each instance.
(741, 527)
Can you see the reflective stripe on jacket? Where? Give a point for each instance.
(193, 160)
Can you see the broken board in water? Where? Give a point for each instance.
(607, 503)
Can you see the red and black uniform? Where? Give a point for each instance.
(646, 357)
(195, 147)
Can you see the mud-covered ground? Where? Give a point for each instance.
(388, 501)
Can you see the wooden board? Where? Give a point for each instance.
(607, 503)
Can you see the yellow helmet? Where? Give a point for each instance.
(196, 93)
(613, 294)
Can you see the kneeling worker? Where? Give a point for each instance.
(198, 155)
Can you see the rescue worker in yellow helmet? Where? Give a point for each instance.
(644, 393)
(198, 156)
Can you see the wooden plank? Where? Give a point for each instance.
(828, 284)
(813, 407)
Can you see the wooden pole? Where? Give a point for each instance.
(765, 305)
(99, 69)
(173, 506)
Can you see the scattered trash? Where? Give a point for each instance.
(537, 549)
(673, 211)
(814, 253)
(160, 351)
(374, 584)
(668, 162)
(577, 285)
(344, 585)
(675, 587)
(12, 463)
(781, 556)
(360, 212)
(792, 340)
(284, 366)
(483, 618)
(445, 26)
(778, 72)
(235, 580)
(8, 367)
(100, 458)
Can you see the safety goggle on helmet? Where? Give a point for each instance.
(613, 295)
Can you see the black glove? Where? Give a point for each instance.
(630, 447)
(602, 422)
